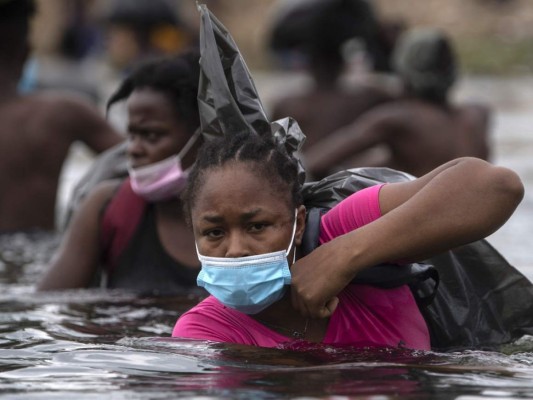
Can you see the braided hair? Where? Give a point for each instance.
(175, 76)
(267, 158)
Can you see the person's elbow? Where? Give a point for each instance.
(503, 183)
(507, 182)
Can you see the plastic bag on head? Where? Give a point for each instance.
(227, 96)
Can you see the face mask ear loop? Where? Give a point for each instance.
(197, 252)
(293, 235)
(189, 144)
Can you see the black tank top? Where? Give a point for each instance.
(145, 267)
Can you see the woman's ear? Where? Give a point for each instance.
(300, 225)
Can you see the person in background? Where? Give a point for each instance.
(131, 234)
(36, 131)
(319, 32)
(245, 206)
(135, 31)
(421, 130)
(141, 29)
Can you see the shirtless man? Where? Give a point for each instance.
(36, 131)
(418, 132)
(318, 31)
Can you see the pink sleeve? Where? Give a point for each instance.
(207, 321)
(197, 326)
(355, 211)
(210, 320)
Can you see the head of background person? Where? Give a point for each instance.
(243, 198)
(15, 16)
(163, 117)
(326, 33)
(143, 28)
(426, 64)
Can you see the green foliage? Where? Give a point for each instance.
(495, 55)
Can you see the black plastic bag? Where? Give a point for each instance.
(227, 97)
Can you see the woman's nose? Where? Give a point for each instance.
(236, 246)
(135, 148)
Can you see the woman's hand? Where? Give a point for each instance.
(458, 203)
(318, 277)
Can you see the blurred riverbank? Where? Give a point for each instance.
(512, 139)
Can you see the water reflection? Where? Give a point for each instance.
(92, 344)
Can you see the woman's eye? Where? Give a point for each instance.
(214, 233)
(257, 227)
(152, 136)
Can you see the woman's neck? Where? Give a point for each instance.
(281, 317)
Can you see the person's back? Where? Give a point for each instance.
(419, 136)
(324, 110)
(429, 123)
(320, 30)
(36, 132)
(419, 131)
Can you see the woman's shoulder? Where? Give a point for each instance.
(211, 320)
(94, 201)
(207, 321)
(353, 212)
(107, 189)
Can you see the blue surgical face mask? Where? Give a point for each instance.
(247, 284)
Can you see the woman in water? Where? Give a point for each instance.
(133, 232)
(243, 199)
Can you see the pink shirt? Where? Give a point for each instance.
(365, 316)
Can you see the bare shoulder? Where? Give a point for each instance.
(66, 113)
(101, 194)
(476, 115)
(288, 106)
(477, 110)
(61, 104)
(76, 118)
(108, 186)
(393, 112)
(89, 208)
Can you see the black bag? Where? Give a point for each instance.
(481, 301)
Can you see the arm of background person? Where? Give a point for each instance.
(369, 130)
(78, 256)
(481, 115)
(460, 202)
(84, 123)
(111, 164)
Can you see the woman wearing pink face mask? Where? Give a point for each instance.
(131, 234)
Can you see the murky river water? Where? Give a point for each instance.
(89, 344)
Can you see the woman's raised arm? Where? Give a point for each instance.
(460, 202)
